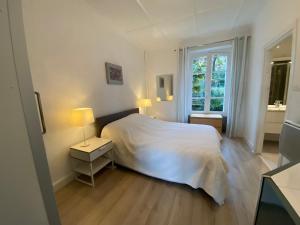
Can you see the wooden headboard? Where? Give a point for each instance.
(102, 121)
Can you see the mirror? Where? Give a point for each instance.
(279, 82)
(164, 86)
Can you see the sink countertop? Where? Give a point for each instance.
(274, 108)
(288, 181)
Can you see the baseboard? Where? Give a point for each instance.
(60, 183)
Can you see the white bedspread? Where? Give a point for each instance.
(183, 153)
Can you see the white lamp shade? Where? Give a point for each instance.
(144, 103)
(82, 117)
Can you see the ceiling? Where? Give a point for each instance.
(155, 24)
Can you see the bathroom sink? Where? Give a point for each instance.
(276, 108)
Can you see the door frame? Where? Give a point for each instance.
(266, 81)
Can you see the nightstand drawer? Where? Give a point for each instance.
(101, 151)
(90, 156)
(85, 156)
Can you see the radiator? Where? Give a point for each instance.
(289, 141)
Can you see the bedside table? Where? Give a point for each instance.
(90, 159)
(215, 120)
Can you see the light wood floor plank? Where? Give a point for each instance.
(124, 197)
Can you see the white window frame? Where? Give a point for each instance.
(209, 53)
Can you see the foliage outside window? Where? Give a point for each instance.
(209, 82)
(199, 74)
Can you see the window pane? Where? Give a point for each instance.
(219, 68)
(198, 104)
(199, 73)
(217, 104)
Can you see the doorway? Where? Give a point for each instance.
(278, 73)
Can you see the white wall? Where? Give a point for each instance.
(166, 62)
(68, 44)
(161, 62)
(275, 18)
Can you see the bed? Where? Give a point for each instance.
(177, 152)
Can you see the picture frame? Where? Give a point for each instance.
(114, 74)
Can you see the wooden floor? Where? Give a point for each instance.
(270, 153)
(124, 197)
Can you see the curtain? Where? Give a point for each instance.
(240, 46)
(182, 114)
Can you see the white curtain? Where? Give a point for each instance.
(240, 46)
(182, 112)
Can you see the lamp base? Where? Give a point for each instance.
(85, 142)
(85, 145)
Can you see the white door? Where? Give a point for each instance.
(26, 195)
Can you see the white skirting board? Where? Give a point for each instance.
(60, 183)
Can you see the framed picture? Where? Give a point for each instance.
(114, 74)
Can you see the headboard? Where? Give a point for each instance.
(102, 121)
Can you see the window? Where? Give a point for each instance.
(199, 77)
(210, 72)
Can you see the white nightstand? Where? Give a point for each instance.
(90, 159)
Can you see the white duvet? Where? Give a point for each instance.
(183, 153)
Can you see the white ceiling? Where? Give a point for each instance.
(154, 24)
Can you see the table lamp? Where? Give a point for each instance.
(170, 98)
(144, 103)
(81, 117)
